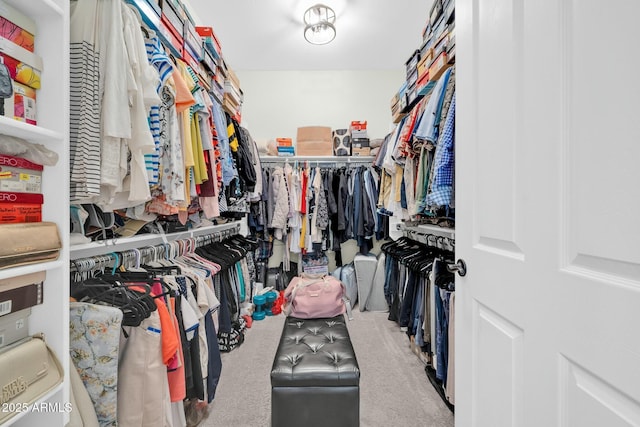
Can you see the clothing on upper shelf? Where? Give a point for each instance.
(416, 160)
(149, 140)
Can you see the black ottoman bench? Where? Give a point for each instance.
(315, 376)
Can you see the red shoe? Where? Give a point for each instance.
(248, 320)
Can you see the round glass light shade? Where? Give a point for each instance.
(320, 33)
(319, 21)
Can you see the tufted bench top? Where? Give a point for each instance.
(315, 352)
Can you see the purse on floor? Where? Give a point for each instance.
(29, 370)
(28, 243)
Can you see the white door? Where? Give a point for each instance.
(548, 213)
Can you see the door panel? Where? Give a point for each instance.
(587, 399)
(499, 30)
(547, 202)
(499, 352)
(611, 120)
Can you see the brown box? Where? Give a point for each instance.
(314, 141)
(363, 151)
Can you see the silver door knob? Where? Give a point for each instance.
(460, 267)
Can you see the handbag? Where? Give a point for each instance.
(6, 86)
(31, 369)
(28, 243)
(316, 297)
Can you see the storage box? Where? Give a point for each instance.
(14, 327)
(16, 35)
(284, 142)
(355, 125)
(20, 175)
(286, 151)
(22, 105)
(24, 66)
(362, 151)
(314, 141)
(17, 27)
(211, 42)
(438, 67)
(341, 142)
(171, 41)
(20, 207)
(150, 12)
(360, 142)
(172, 21)
(21, 72)
(21, 292)
(398, 116)
(192, 40)
(412, 62)
(209, 61)
(423, 65)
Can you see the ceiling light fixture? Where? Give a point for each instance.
(319, 21)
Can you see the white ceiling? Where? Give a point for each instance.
(268, 34)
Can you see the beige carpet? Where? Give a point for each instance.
(394, 389)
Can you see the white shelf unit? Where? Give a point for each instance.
(52, 131)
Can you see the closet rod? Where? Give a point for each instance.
(319, 159)
(126, 243)
(431, 235)
(139, 254)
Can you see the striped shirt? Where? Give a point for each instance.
(161, 61)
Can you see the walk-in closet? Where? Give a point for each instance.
(287, 213)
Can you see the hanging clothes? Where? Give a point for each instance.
(419, 291)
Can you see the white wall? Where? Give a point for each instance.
(276, 103)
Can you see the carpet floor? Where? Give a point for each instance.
(394, 389)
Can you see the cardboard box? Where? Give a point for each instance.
(22, 105)
(20, 175)
(20, 207)
(314, 141)
(423, 65)
(363, 151)
(284, 142)
(438, 67)
(398, 116)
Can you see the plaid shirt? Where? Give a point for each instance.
(442, 189)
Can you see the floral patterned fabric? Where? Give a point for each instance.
(94, 335)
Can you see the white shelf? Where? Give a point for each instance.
(427, 230)
(26, 131)
(125, 243)
(321, 159)
(37, 9)
(32, 268)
